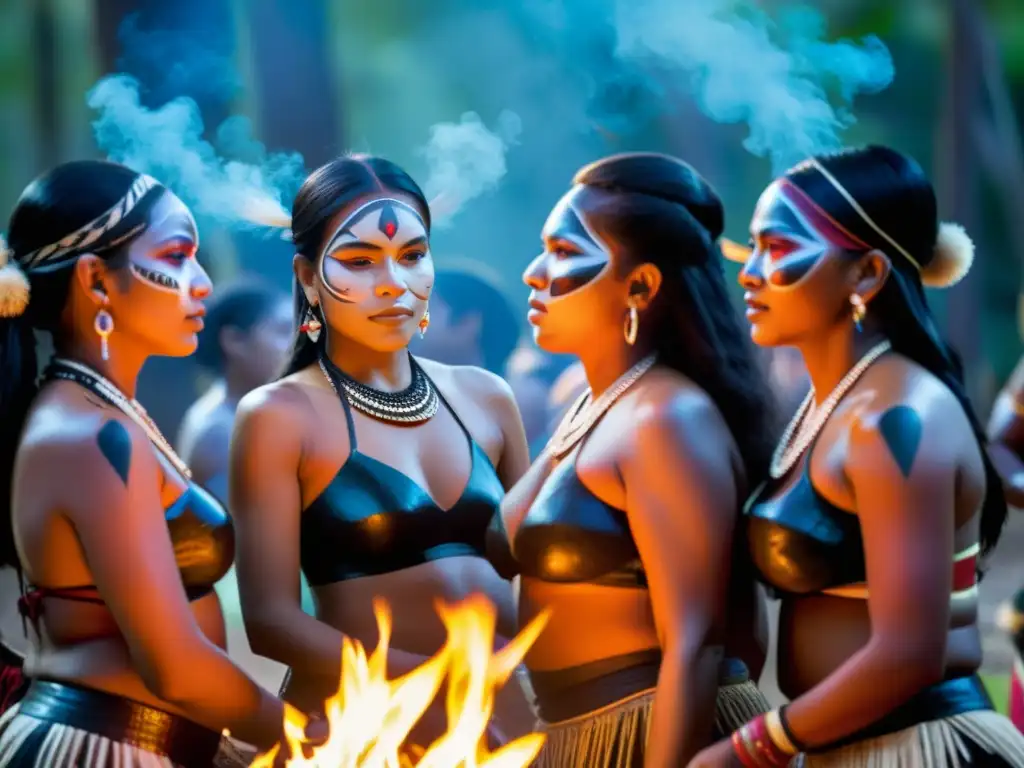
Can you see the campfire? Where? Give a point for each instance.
(371, 716)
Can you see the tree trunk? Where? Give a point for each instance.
(957, 182)
(294, 78)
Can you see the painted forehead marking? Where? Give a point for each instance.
(391, 217)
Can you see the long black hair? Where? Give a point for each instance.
(81, 207)
(326, 191)
(894, 192)
(663, 212)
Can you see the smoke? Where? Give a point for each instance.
(167, 143)
(465, 160)
(742, 66)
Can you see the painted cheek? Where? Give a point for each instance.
(158, 276)
(344, 284)
(420, 278)
(571, 274)
(790, 271)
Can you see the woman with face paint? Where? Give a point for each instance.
(120, 548)
(374, 472)
(881, 499)
(623, 526)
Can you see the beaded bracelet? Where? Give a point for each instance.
(764, 743)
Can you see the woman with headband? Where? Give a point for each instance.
(623, 527)
(120, 548)
(374, 472)
(881, 500)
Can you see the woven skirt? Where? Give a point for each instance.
(950, 725)
(614, 735)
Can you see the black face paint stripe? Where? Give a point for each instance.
(575, 279)
(164, 281)
(116, 446)
(901, 429)
(793, 269)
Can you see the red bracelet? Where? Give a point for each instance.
(740, 748)
(755, 747)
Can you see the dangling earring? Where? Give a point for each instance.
(311, 327)
(424, 323)
(632, 327)
(859, 310)
(103, 324)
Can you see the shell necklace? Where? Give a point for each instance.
(413, 405)
(805, 426)
(584, 413)
(84, 376)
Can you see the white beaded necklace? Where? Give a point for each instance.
(129, 406)
(584, 414)
(789, 450)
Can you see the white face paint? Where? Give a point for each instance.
(792, 236)
(573, 255)
(384, 228)
(163, 256)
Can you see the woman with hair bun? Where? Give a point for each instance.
(881, 501)
(120, 547)
(623, 527)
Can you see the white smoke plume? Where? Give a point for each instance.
(775, 75)
(465, 160)
(167, 143)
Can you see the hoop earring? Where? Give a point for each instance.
(103, 324)
(860, 309)
(424, 322)
(311, 326)
(632, 326)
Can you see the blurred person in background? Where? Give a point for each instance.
(623, 527)
(472, 322)
(788, 379)
(373, 472)
(532, 373)
(119, 546)
(1006, 433)
(244, 345)
(881, 502)
(566, 390)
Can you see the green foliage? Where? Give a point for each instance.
(1007, 19)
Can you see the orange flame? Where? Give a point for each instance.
(371, 716)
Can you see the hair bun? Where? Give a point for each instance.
(952, 259)
(14, 286)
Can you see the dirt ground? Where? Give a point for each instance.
(1005, 575)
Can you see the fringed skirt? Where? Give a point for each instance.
(1011, 619)
(59, 725)
(955, 727)
(603, 722)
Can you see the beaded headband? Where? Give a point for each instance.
(14, 284)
